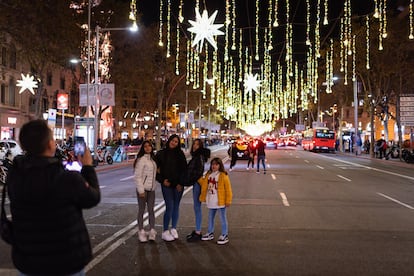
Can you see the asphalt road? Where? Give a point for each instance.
(311, 214)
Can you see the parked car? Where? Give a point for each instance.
(9, 146)
(271, 143)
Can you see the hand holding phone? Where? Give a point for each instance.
(79, 146)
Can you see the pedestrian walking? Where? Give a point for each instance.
(261, 156)
(251, 148)
(233, 155)
(46, 203)
(195, 170)
(145, 170)
(217, 193)
(171, 165)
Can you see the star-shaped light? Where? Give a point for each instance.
(251, 82)
(204, 28)
(27, 82)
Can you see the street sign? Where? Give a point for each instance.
(407, 110)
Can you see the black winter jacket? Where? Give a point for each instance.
(46, 202)
(196, 165)
(171, 165)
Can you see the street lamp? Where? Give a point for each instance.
(98, 29)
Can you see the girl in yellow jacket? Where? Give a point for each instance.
(216, 192)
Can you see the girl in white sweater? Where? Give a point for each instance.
(145, 169)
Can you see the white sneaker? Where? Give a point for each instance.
(152, 234)
(174, 233)
(142, 236)
(166, 236)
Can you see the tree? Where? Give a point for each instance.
(43, 40)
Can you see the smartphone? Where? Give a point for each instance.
(79, 146)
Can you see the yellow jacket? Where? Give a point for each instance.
(224, 192)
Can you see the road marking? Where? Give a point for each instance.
(127, 178)
(370, 168)
(320, 167)
(343, 177)
(159, 209)
(284, 199)
(307, 161)
(101, 187)
(273, 176)
(396, 201)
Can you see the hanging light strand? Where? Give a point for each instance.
(367, 44)
(411, 35)
(160, 40)
(257, 31)
(168, 29)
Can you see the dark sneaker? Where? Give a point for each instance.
(223, 239)
(193, 237)
(208, 237)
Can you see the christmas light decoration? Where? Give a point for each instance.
(251, 82)
(160, 39)
(411, 35)
(27, 82)
(204, 28)
(367, 43)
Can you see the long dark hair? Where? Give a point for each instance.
(218, 161)
(141, 152)
(167, 145)
(200, 143)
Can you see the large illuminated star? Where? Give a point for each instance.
(204, 28)
(27, 82)
(251, 82)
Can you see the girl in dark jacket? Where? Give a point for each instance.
(195, 169)
(171, 165)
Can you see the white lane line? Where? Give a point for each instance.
(101, 187)
(118, 243)
(307, 161)
(284, 199)
(126, 178)
(370, 168)
(396, 201)
(273, 176)
(320, 167)
(343, 177)
(159, 209)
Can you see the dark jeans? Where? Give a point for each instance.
(172, 199)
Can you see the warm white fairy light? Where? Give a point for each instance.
(133, 14)
(367, 43)
(270, 31)
(180, 12)
(160, 39)
(317, 34)
(353, 60)
(411, 35)
(233, 18)
(308, 23)
(381, 23)
(204, 28)
(226, 32)
(325, 17)
(384, 19)
(276, 22)
(27, 82)
(376, 12)
(177, 50)
(168, 29)
(256, 57)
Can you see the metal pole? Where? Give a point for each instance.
(355, 110)
(63, 126)
(96, 89)
(199, 118)
(186, 119)
(88, 68)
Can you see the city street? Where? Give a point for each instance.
(310, 214)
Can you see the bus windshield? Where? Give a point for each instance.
(324, 134)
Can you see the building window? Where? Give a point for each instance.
(62, 83)
(12, 91)
(3, 56)
(49, 79)
(3, 93)
(13, 58)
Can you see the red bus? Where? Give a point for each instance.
(319, 139)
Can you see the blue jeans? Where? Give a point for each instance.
(223, 220)
(261, 158)
(197, 205)
(172, 199)
(80, 273)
